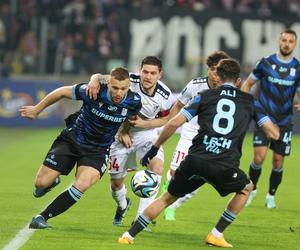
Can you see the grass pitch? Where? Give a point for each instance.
(88, 224)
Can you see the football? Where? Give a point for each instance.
(144, 183)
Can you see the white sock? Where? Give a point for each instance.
(127, 235)
(120, 197)
(216, 233)
(183, 199)
(145, 202)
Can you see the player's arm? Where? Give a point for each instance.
(167, 132)
(247, 85)
(271, 130)
(185, 115)
(175, 109)
(31, 112)
(93, 86)
(138, 122)
(124, 136)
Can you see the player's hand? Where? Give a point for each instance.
(137, 122)
(125, 139)
(297, 107)
(29, 112)
(149, 155)
(92, 89)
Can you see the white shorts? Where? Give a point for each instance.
(181, 152)
(121, 158)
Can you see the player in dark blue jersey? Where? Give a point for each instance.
(85, 142)
(279, 76)
(224, 116)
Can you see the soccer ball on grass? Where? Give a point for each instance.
(144, 183)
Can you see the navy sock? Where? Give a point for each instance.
(140, 223)
(275, 180)
(254, 173)
(62, 203)
(226, 219)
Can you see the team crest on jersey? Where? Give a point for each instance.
(124, 111)
(292, 71)
(112, 108)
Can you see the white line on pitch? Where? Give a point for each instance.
(20, 239)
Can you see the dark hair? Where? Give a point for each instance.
(228, 70)
(289, 31)
(119, 73)
(152, 60)
(214, 58)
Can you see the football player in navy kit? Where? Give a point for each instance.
(85, 142)
(190, 129)
(137, 136)
(224, 115)
(279, 76)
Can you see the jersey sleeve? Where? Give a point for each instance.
(257, 72)
(78, 92)
(186, 94)
(260, 116)
(191, 110)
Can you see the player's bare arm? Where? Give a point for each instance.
(124, 136)
(170, 129)
(175, 109)
(247, 85)
(93, 86)
(271, 130)
(31, 112)
(138, 122)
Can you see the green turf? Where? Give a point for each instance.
(88, 225)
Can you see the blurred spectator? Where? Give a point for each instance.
(28, 50)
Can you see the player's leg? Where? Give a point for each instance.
(149, 214)
(91, 168)
(46, 179)
(119, 191)
(119, 156)
(180, 185)
(281, 148)
(235, 205)
(179, 154)
(260, 143)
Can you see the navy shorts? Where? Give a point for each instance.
(281, 146)
(65, 153)
(193, 172)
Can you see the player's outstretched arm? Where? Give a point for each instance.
(247, 85)
(167, 132)
(175, 109)
(93, 86)
(271, 130)
(138, 122)
(31, 112)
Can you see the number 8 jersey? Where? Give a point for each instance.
(223, 122)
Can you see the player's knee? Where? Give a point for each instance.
(278, 161)
(84, 183)
(247, 189)
(116, 184)
(168, 198)
(42, 181)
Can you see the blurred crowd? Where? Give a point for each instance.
(83, 34)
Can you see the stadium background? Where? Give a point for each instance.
(45, 44)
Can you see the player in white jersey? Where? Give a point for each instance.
(190, 129)
(138, 135)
